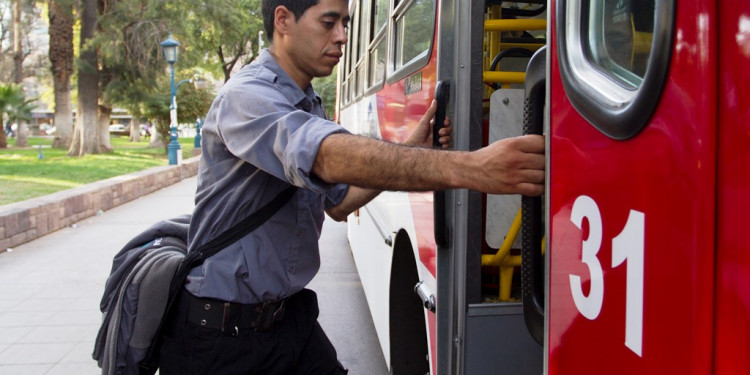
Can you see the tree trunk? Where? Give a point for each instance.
(22, 135)
(3, 140)
(155, 141)
(61, 57)
(105, 109)
(135, 129)
(17, 75)
(103, 119)
(85, 132)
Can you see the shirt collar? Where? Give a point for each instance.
(286, 84)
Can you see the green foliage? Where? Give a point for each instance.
(212, 34)
(223, 32)
(14, 107)
(192, 103)
(326, 88)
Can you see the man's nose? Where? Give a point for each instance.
(339, 35)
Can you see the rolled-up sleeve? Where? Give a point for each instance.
(336, 195)
(272, 134)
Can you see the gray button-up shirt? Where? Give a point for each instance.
(261, 134)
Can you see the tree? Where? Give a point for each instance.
(226, 28)
(123, 53)
(14, 107)
(24, 15)
(18, 55)
(61, 55)
(130, 53)
(326, 89)
(192, 103)
(85, 129)
(5, 10)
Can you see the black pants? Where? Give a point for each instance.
(296, 345)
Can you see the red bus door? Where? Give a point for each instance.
(632, 187)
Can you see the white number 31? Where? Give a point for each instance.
(628, 245)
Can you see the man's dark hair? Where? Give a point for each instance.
(298, 7)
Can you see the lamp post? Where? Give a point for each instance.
(200, 83)
(197, 140)
(170, 49)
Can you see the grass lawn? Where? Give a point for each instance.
(23, 175)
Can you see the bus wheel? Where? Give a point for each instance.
(408, 331)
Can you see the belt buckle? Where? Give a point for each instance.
(263, 322)
(279, 313)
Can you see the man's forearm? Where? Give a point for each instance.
(508, 166)
(368, 163)
(355, 198)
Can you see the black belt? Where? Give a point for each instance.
(232, 317)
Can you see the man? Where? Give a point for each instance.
(266, 130)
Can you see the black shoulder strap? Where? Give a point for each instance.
(247, 225)
(231, 235)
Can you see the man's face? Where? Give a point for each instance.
(316, 39)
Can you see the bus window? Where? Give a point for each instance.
(620, 38)
(614, 56)
(345, 73)
(362, 43)
(364, 29)
(377, 63)
(414, 28)
(380, 14)
(378, 48)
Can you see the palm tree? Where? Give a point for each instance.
(14, 107)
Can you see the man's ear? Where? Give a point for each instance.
(282, 16)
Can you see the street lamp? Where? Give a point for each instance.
(170, 47)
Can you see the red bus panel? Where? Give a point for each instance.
(631, 225)
(733, 195)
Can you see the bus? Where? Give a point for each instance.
(634, 259)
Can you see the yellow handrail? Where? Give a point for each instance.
(512, 24)
(497, 258)
(504, 260)
(504, 77)
(529, 46)
(496, 25)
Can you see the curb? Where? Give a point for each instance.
(28, 220)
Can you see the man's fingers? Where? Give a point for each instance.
(431, 109)
(531, 161)
(533, 176)
(530, 143)
(531, 190)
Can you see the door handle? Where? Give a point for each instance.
(442, 94)
(532, 265)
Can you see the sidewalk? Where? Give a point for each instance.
(50, 290)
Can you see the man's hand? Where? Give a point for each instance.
(510, 166)
(422, 135)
